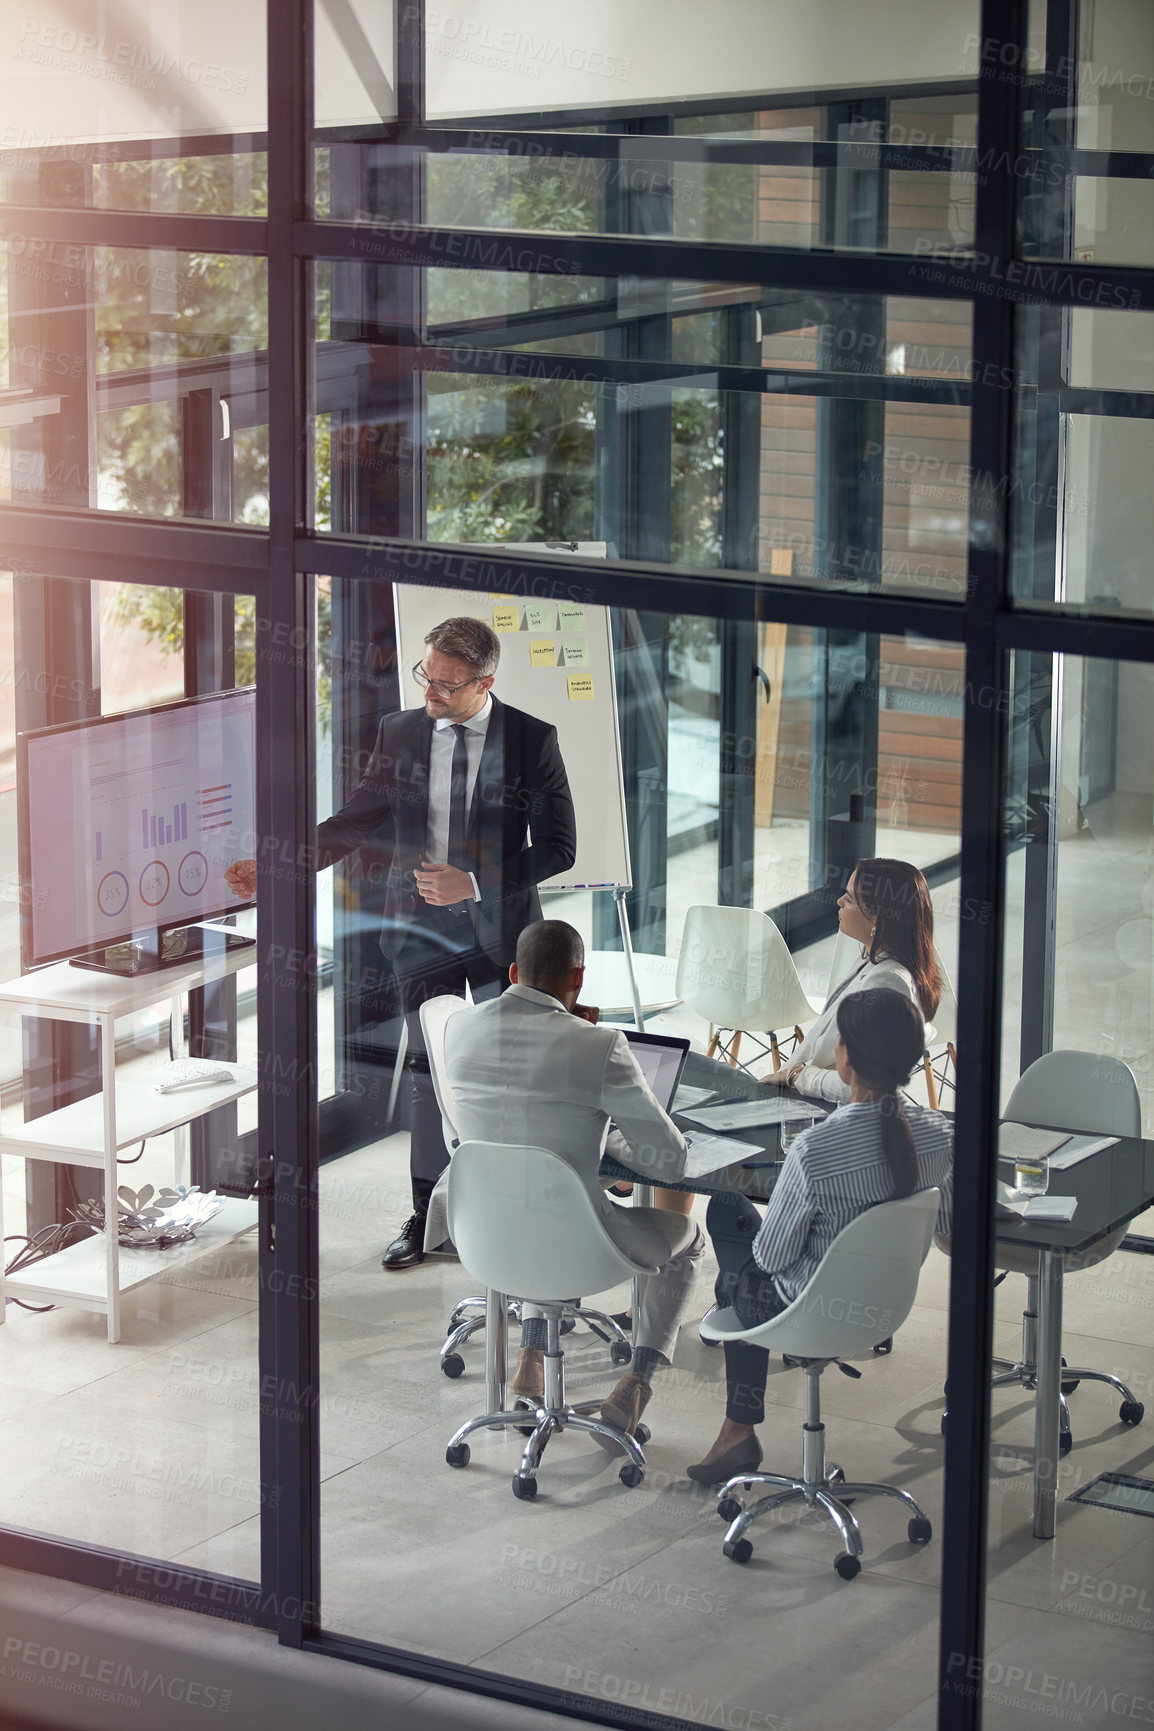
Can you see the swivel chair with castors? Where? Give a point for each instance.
(861, 1292)
(523, 1222)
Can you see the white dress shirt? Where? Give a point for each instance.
(818, 1075)
(441, 750)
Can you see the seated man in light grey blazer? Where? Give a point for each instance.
(528, 1068)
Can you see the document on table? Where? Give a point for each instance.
(1015, 1140)
(710, 1153)
(745, 1114)
(1079, 1148)
(687, 1096)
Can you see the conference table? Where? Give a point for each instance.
(1112, 1187)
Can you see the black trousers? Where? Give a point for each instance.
(733, 1223)
(428, 967)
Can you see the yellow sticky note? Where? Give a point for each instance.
(576, 652)
(542, 652)
(494, 597)
(570, 618)
(506, 619)
(580, 687)
(781, 562)
(538, 618)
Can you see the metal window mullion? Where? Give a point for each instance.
(966, 1490)
(286, 894)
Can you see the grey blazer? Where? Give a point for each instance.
(521, 1069)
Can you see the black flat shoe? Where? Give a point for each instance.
(623, 1320)
(743, 1457)
(408, 1247)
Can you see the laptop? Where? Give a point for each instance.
(662, 1059)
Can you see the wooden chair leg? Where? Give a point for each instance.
(774, 1050)
(798, 1035)
(714, 1037)
(931, 1081)
(735, 1048)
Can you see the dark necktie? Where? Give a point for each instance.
(458, 801)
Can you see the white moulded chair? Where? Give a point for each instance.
(1075, 1091)
(862, 1291)
(468, 1317)
(735, 969)
(523, 1222)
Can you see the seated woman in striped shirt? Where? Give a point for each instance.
(874, 1149)
(886, 908)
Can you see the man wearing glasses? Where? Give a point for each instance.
(474, 797)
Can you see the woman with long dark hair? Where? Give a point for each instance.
(875, 1149)
(886, 907)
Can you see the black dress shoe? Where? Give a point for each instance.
(408, 1247)
(743, 1457)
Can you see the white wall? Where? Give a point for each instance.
(492, 56)
(76, 70)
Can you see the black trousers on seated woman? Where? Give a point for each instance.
(733, 1223)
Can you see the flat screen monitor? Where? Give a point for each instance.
(126, 826)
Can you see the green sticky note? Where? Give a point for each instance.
(539, 618)
(570, 618)
(576, 651)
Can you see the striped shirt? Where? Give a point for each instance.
(833, 1173)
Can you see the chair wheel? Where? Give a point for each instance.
(524, 1489)
(1065, 1441)
(1131, 1411)
(847, 1566)
(884, 1346)
(567, 1325)
(642, 1434)
(920, 1531)
(631, 1475)
(738, 1550)
(620, 1352)
(1069, 1387)
(729, 1508)
(457, 1454)
(453, 1364)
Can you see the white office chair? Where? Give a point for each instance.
(862, 1291)
(468, 1316)
(523, 1222)
(1076, 1091)
(941, 1053)
(735, 969)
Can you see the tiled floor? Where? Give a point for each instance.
(593, 1588)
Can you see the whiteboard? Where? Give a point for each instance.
(556, 664)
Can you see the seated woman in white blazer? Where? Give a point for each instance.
(887, 909)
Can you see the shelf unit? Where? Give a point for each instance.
(93, 1273)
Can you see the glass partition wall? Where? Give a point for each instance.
(823, 391)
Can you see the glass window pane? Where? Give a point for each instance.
(135, 367)
(1082, 517)
(92, 96)
(567, 1613)
(1075, 1058)
(615, 427)
(130, 1373)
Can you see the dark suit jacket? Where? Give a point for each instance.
(522, 791)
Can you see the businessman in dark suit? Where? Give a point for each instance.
(469, 802)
